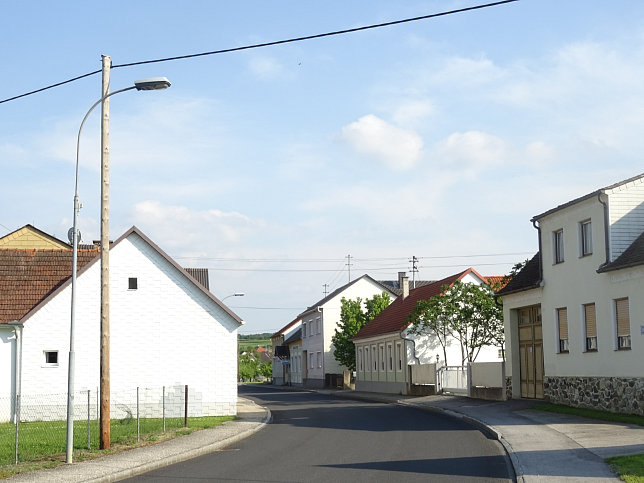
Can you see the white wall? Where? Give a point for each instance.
(575, 282)
(166, 332)
(330, 317)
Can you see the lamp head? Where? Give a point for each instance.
(152, 84)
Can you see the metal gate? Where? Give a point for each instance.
(453, 379)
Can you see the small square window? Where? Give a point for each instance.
(132, 283)
(51, 358)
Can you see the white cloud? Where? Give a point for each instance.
(183, 228)
(396, 148)
(412, 111)
(473, 150)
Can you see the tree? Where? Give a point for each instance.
(352, 319)
(464, 311)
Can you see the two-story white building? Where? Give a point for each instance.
(319, 323)
(574, 316)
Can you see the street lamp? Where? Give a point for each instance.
(155, 83)
(236, 294)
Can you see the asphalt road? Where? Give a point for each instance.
(322, 438)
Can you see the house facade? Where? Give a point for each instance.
(287, 354)
(319, 323)
(574, 316)
(166, 329)
(385, 347)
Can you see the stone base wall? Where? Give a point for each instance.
(614, 394)
(508, 388)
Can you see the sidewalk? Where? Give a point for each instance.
(542, 446)
(251, 418)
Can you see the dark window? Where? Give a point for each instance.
(132, 283)
(51, 357)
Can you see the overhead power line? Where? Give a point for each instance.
(266, 44)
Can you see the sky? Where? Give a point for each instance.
(437, 139)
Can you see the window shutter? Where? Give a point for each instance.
(562, 315)
(623, 317)
(591, 323)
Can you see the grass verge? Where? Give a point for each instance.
(42, 443)
(628, 468)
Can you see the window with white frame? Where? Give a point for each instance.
(590, 327)
(319, 354)
(399, 355)
(367, 361)
(562, 324)
(311, 360)
(381, 356)
(390, 356)
(360, 366)
(318, 322)
(623, 323)
(303, 329)
(585, 238)
(311, 328)
(558, 246)
(374, 357)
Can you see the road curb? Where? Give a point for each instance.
(189, 454)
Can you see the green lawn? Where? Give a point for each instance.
(42, 443)
(629, 468)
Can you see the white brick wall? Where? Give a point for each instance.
(165, 333)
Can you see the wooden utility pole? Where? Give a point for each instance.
(105, 248)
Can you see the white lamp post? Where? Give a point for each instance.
(155, 83)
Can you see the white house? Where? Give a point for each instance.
(287, 354)
(319, 323)
(166, 329)
(574, 316)
(385, 347)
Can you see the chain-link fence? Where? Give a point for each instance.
(35, 426)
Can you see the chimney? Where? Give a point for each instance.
(400, 277)
(405, 287)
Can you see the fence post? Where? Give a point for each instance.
(469, 379)
(138, 427)
(163, 398)
(17, 412)
(89, 417)
(185, 416)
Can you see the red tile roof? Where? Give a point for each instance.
(394, 317)
(27, 277)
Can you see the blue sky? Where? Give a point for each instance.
(438, 139)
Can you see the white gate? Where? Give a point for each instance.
(453, 379)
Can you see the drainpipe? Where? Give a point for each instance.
(538, 228)
(606, 228)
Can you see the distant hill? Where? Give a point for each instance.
(254, 340)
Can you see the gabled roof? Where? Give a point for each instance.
(394, 317)
(28, 277)
(297, 335)
(631, 257)
(336, 292)
(283, 330)
(395, 287)
(529, 277)
(594, 194)
(30, 237)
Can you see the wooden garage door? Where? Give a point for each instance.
(531, 352)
